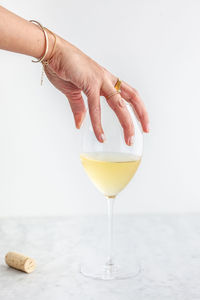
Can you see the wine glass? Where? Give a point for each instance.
(110, 166)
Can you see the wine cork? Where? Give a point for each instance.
(20, 262)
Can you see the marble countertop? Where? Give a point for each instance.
(167, 247)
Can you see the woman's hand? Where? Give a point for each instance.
(71, 71)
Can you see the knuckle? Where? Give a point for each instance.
(100, 72)
(74, 97)
(106, 76)
(97, 78)
(93, 87)
(119, 104)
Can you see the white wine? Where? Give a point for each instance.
(109, 171)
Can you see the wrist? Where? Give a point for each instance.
(55, 58)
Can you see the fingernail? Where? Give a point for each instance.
(102, 137)
(78, 125)
(148, 127)
(79, 121)
(131, 140)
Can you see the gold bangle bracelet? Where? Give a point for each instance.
(54, 45)
(46, 42)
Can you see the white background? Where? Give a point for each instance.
(154, 46)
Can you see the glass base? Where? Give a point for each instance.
(110, 271)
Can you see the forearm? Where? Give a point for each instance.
(19, 35)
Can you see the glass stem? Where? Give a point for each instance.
(110, 204)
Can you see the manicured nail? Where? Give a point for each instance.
(131, 140)
(102, 138)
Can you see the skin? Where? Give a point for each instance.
(71, 71)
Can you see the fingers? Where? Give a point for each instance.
(73, 93)
(132, 96)
(79, 111)
(119, 107)
(77, 107)
(95, 114)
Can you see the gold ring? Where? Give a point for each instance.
(118, 85)
(113, 94)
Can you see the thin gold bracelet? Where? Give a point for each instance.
(42, 59)
(46, 42)
(46, 62)
(54, 45)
